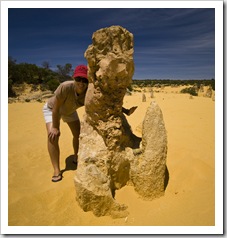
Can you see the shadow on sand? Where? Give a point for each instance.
(69, 164)
(166, 181)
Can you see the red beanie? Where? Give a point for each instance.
(80, 71)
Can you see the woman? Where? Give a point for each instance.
(68, 97)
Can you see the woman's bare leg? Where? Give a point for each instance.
(75, 129)
(54, 152)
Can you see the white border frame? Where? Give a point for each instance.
(218, 228)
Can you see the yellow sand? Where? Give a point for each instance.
(189, 197)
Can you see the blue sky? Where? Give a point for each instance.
(169, 43)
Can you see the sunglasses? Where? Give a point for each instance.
(82, 80)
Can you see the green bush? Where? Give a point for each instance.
(190, 90)
(53, 84)
(11, 92)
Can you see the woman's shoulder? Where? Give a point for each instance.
(68, 83)
(65, 87)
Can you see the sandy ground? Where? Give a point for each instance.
(33, 200)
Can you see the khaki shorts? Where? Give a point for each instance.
(47, 112)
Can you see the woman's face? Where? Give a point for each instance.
(81, 84)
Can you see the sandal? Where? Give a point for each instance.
(56, 176)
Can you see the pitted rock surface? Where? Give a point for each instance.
(110, 154)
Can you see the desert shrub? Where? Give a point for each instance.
(34, 88)
(11, 92)
(53, 84)
(44, 87)
(190, 90)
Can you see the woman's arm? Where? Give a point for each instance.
(55, 130)
(125, 111)
(128, 111)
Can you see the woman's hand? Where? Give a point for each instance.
(131, 110)
(53, 134)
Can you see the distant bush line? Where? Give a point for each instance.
(173, 82)
(32, 74)
(48, 79)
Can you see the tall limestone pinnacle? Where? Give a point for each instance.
(108, 153)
